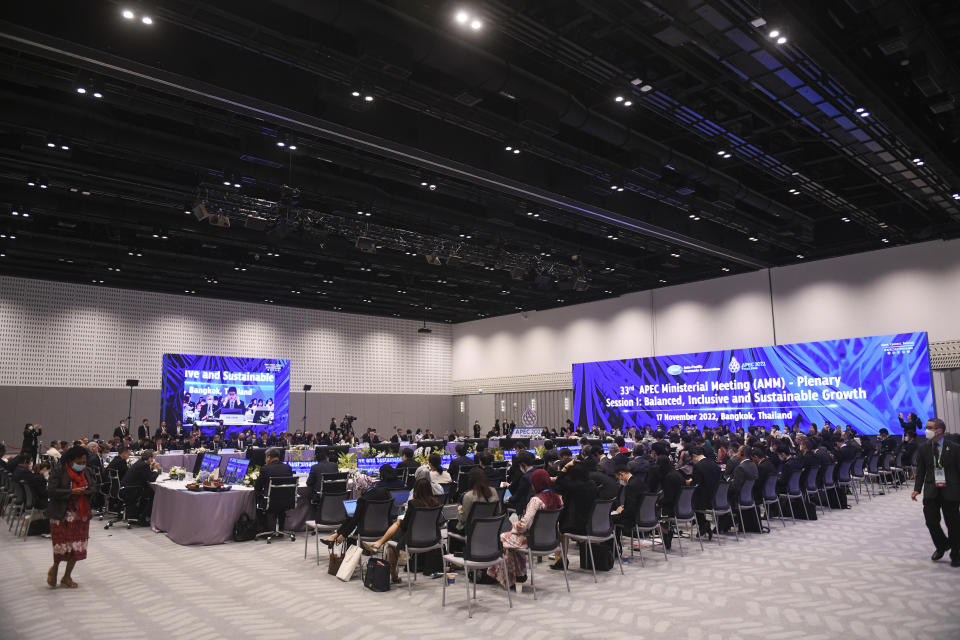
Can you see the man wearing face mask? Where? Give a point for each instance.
(938, 476)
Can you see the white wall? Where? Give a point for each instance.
(912, 288)
(64, 335)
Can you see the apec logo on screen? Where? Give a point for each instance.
(864, 382)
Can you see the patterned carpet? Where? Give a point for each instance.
(863, 573)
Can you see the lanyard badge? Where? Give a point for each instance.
(939, 477)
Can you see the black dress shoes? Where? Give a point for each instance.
(955, 562)
(938, 554)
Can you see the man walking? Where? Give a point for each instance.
(938, 475)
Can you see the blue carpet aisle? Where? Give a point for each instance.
(863, 573)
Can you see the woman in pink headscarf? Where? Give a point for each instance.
(543, 498)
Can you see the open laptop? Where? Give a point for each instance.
(236, 470)
(350, 506)
(400, 496)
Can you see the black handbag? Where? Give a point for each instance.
(244, 529)
(377, 577)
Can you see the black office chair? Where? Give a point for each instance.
(334, 482)
(844, 479)
(811, 488)
(129, 499)
(770, 497)
(484, 550)
(372, 522)
(423, 535)
(745, 501)
(720, 506)
(647, 522)
(859, 478)
(478, 510)
(830, 482)
(599, 529)
(331, 513)
(281, 496)
(19, 504)
(543, 539)
(683, 512)
(794, 492)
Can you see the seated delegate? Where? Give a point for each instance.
(141, 476)
(275, 467)
(423, 498)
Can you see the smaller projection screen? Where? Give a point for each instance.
(238, 393)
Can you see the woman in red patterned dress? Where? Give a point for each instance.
(70, 486)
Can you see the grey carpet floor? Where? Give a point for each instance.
(862, 573)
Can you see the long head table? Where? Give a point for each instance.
(207, 517)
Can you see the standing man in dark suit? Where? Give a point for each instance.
(121, 431)
(143, 431)
(938, 476)
(275, 467)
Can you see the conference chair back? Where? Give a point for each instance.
(721, 499)
(811, 485)
(481, 510)
(483, 540)
(683, 510)
(647, 512)
(19, 496)
(375, 519)
(770, 489)
(543, 534)
(424, 527)
(281, 494)
(843, 471)
(872, 464)
(331, 510)
(745, 499)
(114, 484)
(885, 463)
(829, 478)
(600, 524)
(856, 470)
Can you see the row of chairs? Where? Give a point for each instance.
(17, 503)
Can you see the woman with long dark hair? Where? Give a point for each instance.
(423, 498)
(69, 489)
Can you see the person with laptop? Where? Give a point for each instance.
(381, 490)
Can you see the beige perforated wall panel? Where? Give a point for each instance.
(64, 335)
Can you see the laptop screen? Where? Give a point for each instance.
(301, 467)
(236, 470)
(400, 497)
(210, 462)
(350, 506)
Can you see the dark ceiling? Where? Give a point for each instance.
(659, 142)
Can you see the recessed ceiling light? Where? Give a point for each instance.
(128, 14)
(774, 34)
(97, 94)
(462, 17)
(81, 90)
(800, 255)
(355, 94)
(281, 143)
(663, 282)
(51, 145)
(752, 239)
(726, 156)
(781, 40)
(884, 240)
(628, 103)
(146, 20)
(845, 219)
(646, 87)
(674, 255)
(476, 24)
(368, 98)
(618, 99)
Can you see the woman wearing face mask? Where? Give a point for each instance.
(69, 489)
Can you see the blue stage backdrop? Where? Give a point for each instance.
(863, 382)
(241, 393)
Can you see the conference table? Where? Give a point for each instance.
(187, 460)
(207, 517)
